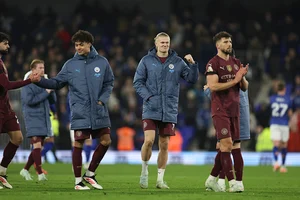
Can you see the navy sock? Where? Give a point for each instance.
(47, 146)
(87, 150)
(283, 155)
(275, 153)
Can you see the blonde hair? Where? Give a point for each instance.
(161, 34)
(35, 62)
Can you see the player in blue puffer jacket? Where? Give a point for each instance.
(157, 81)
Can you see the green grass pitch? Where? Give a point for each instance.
(122, 182)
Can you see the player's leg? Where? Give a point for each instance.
(165, 131)
(236, 186)
(11, 126)
(222, 126)
(162, 160)
(37, 143)
(285, 138)
(283, 146)
(276, 138)
(226, 132)
(25, 171)
(87, 148)
(238, 163)
(53, 149)
(48, 145)
(79, 137)
(99, 153)
(149, 127)
(221, 180)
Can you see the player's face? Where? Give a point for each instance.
(83, 48)
(39, 69)
(162, 44)
(4, 46)
(225, 45)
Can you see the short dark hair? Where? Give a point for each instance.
(83, 36)
(4, 36)
(280, 85)
(220, 35)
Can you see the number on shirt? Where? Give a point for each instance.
(279, 109)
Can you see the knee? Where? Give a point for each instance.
(78, 144)
(106, 142)
(148, 143)
(226, 146)
(17, 140)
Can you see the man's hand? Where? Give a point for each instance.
(189, 58)
(246, 68)
(34, 77)
(241, 73)
(100, 103)
(205, 87)
(49, 91)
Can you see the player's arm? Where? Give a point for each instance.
(190, 72)
(139, 81)
(31, 97)
(57, 82)
(213, 80)
(244, 84)
(108, 84)
(214, 85)
(10, 85)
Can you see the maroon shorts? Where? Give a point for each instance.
(164, 128)
(9, 123)
(36, 139)
(227, 127)
(83, 134)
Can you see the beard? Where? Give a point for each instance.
(227, 51)
(4, 52)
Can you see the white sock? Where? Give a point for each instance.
(78, 180)
(89, 173)
(221, 181)
(210, 177)
(145, 168)
(239, 182)
(2, 170)
(160, 175)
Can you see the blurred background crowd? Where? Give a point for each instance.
(265, 37)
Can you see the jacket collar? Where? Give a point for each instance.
(93, 53)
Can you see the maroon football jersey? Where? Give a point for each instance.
(225, 102)
(5, 85)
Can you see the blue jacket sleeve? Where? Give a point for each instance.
(108, 84)
(190, 73)
(207, 93)
(57, 82)
(139, 81)
(31, 97)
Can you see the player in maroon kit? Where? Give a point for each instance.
(8, 120)
(224, 75)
